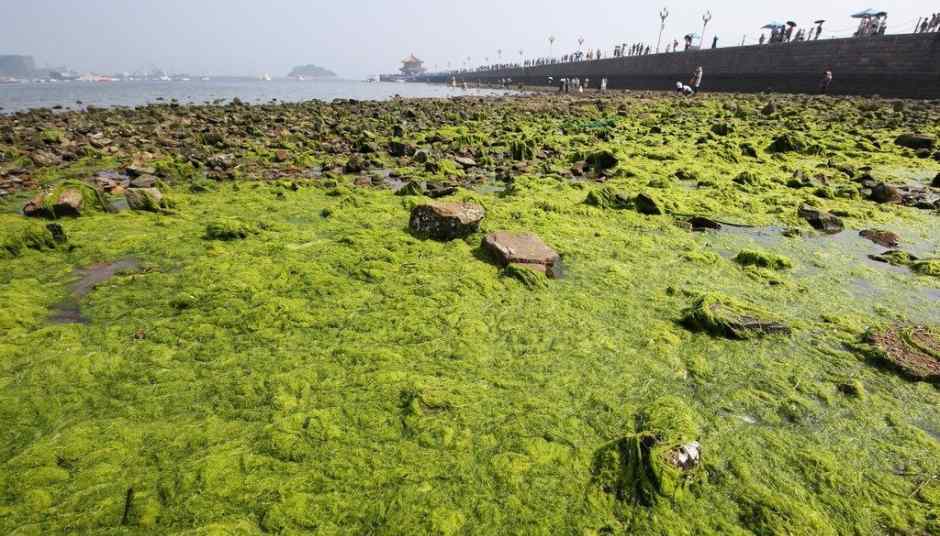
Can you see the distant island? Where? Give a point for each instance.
(311, 71)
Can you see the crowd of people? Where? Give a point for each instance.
(870, 25)
(929, 24)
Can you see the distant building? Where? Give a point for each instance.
(412, 66)
(17, 66)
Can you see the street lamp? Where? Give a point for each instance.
(551, 45)
(522, 59)
(499, 53)
(663, 15)
(580, 43)
(705, 18)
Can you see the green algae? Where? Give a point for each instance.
(337, 375)
(763, 259)
(18, 236)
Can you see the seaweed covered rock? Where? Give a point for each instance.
(882, 238)
(647, 204)
(145, 199)
(725, 317)
(885, 193)
(916, 141)
(790, 142)
(609, 198)
(821, 220)
(533, 279)
(227, 229)
(929, 267)
(446, 221)
(763, 259)
(65, 203)
(658, 460)
(601, 161)
(526, 249)
(914, 351)
(18, 236)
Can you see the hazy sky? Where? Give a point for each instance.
(356, 38)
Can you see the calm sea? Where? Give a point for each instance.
(16, 97)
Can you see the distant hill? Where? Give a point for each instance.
(311, 71)
(17, 66)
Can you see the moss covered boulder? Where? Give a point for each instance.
(446, 221)
(145, 199)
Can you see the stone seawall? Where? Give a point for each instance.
(891, 66)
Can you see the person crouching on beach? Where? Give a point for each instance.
(683, 89)
(696, 81)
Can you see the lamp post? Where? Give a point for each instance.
(499, 54)
(551, 45)
(663, 15)
(580, 43)
(522, 59)
(705, 18)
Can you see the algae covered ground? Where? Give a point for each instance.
(268, 349)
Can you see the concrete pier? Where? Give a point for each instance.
(905, 66)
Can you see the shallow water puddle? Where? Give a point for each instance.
(68, 311)
(842, 259)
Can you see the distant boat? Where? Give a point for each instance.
(205, 79)
(266, 78)
(372, 79)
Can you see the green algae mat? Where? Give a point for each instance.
(266, 348)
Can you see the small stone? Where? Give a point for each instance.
(820, 220)
(700, 224)
(465, 161)
(770, 109)
(144, 181)
(355, 164)
(398, 148)
(363, 181)
(508, 247)
(647, 205)
(139, 170)
(421, 156)
(446, 221)
(144, 199)
(281, 155)
(884, 238)
(885, 193)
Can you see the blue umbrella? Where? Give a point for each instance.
(772, 26)
(868, 13)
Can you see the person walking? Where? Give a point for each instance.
(826, 82)
(761, 40)
(715, 43)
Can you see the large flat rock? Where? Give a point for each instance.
(526, 249)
